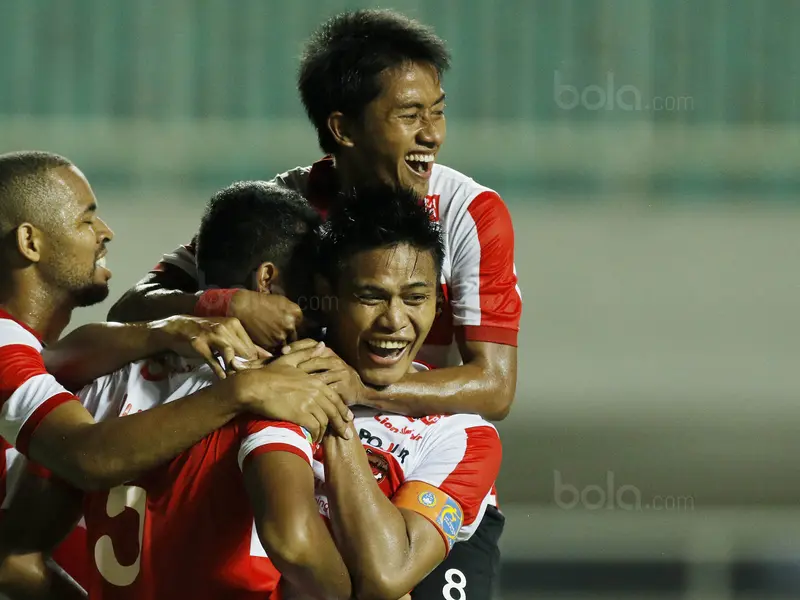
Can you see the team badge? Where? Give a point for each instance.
(427, 499)
(450, 519)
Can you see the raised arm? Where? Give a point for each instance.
(50, 425)
(97, 349)
(41, 515)
(287, 516)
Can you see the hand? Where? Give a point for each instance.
(193, 337)
(282, 392)
(338, 375)
(270, 319)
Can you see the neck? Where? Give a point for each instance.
(348, 175)
(46, 313)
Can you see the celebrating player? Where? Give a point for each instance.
(193, 530)
(371, 84)
(403, 491)
(53, 252)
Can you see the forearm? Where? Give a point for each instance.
(150, 301)
(29, 577)
(319, 570)
(108, 453)
(97, 349)
(370, 531)
(465, 389)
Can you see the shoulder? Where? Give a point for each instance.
(456, 187)
(13, 334)
(294, 179)
(461, 203)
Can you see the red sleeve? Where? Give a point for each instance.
(260, 436)
(28, 393)
(486, 299)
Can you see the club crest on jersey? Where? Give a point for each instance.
(379, 464)
(450, 519)
(432, 204)
(427, 499)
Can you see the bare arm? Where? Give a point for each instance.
(161, 294)
(42, 514)
(485, 385)
(92, 455)
(290, 527)
(97, 349)
(387, 549)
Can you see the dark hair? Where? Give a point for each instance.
(249, 223)
(24, 190)
(377, 217)
(343, 59)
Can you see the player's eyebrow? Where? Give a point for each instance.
(418, 105)
(417, 285)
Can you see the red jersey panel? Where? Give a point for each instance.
(184, 531)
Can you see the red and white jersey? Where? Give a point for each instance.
(479, 279)
(458, 454)
(27, 391)
(27, 394)
(184, 530)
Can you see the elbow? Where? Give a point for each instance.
(288, 542)
(500, 403)
(127, 308)
(91, 475)
(385, 584)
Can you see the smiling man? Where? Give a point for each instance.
(370, 82)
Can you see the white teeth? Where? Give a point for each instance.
(388, 344)
(420, 157)
(101, 262)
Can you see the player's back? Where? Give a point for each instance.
(184, 529)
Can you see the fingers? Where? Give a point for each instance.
(300, 345)
(321, 363)
(318, 419)
(293, 359)
(331, 377)
(250, 349)
(202, 348)
(337, 412)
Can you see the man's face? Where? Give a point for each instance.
(402, 130)
(385, 306)
(73, 258)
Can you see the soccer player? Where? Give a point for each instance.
(402, 492)
(191, 531)
(52, 260)
(370, 82)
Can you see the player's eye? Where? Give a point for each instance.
(368, 298)
(416, 299)
(410, 116)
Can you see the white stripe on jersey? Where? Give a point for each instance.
(21, 405)
(12, 333)
(270, 436)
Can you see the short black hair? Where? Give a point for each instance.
(249, 223)
(374, 217)
(25, 191)
(343, 59)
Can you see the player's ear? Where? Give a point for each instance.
(29, 241)
(266, 274)
(341, 129)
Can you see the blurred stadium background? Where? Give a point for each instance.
(649, 152)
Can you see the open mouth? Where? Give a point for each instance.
(387, 352)
(420, 164)
(101, 262)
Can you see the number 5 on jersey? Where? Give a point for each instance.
(109, 566)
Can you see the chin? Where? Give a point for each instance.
(382, 377)
(91, 294)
